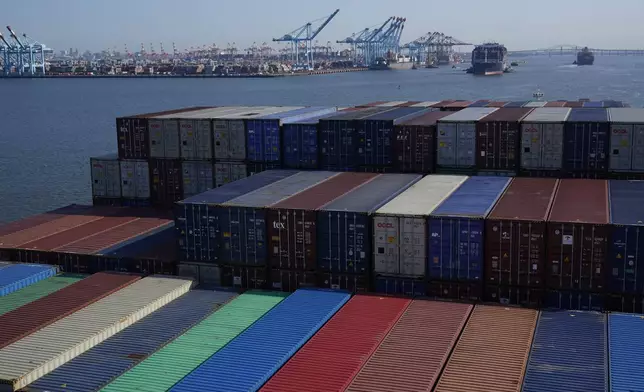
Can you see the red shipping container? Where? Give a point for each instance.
(496, 104)
(515, 240)
(455, 106)
(415, 144)
(42, 312)
(578, 233)
(292, 222)
(39, 219)
(332, 357)
(414, 352)
(573, 104)
(442, 104)
(498, 140)
(166, 182)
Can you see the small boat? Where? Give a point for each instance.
(514, 64)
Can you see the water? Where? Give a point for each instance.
(50, 128)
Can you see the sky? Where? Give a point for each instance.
(519, 24)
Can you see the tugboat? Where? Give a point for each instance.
(489, 59)
(585, 57)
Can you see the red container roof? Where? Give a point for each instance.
(507, 114)
(528, 199)
(581, 201)
(427, 119)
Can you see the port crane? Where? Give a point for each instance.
(305, 35)
(433, 45)
(377, 41)
(22, 55)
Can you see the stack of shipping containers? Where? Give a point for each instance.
(542, 142)
(586, 142)
(414, 147)
(300, 142)
(626, 143)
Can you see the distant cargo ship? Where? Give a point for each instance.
(585, 57)
(392, 62)
(488, 59)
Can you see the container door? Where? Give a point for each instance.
(620, 147)
(171, 143)
(386, 245)
(255, 140)
(188, 137)
(466, 145)
(638, 148)
(205, 177)
(531, 145)
(142, 180)
(157, 148)
(203, 140)
(128, 180)
(99, 180)
(552, 146)
(412, 247)
(292, 143)
(309, 147)
(112, 179)
(271, 142)
(237, 140)
(446, 144)
(189, 178)
(221, 139)
(222, 173)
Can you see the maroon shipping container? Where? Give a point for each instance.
(506, 295)
(573, 104)
(40, 219)
(555, 104)
(415, 144)
(498, 140)
(166, 184)
(496, 104)
(515, 240)
(371, 104)
(42, 312)
(289, 281)
(455, 106)
(292, 222)
(578, 235)
(462, 291)
(409, 103)
(442, 104)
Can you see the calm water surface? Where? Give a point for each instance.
(49, 128)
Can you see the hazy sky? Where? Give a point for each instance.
(519, 24)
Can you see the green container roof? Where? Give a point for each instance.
(36, 291)
(166, 367)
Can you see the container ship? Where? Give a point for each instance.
(488, 59)
(392, 61)
(585, 57)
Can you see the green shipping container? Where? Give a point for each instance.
(36, 291)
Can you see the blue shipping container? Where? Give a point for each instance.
(250, 359)
(141, 244)
(612, 104)
(17, 276)
(480, 103)
(568, 353)
(300, 142)
(593, 104)
(197, 221)
(344, 240)
(626, 352)
(626, 254)
(586, 140)
(456, 229)
(401, 286)
(95, 368)
(574, 300)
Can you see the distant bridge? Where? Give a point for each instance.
(573, 49)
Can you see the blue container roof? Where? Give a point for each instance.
(396, 114)
(626, 352)
(95, 368)
(515, 104)
(250, 359)
(588, 115)
(297, 113)
(613, 104)
(475, 198)
(16, 276)
(239, 187)
(593, 104)
(626, 200)
(479, 104)
(568, 353)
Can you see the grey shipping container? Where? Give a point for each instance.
(344, 226)
(542, 139)
(226, 172)
(106, 177)
(456, 138)
(135, 179)
(205, 274)
(197, 177)
(626, 139)
(164, 138)
(415, 143)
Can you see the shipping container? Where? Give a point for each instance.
(345, 342)
(371, 104)
(205, 274)
(391, 104)
(412, 355)
(555, 104)
(415, 143)
(263, 135)
(573, 104)
(515, 233)
(18, 276)
(460, 291)
(197, 218)
(593, 104)
(95, 368)
(243, 365)
(344, 240)
(395, 285)
(135, 180)
(627, 303)
(574, 300)
(244, 278)
(497, 140)
(515, 104)
(39, 219)
(26, 320)
(586, 142)
(243, 220)
(535, 104)
(292, 223)
(614, 104)
(625, 348)
(568, 353)
(457, 229)
(166, 182)
(456, 105)
(514, 295)
(106, 179)
(542, 135)
(578, 235)
(626, 140)
(497, 104)
(456, 138)
(197, 177)
(481, 103)
(36, 291)
(400, 226)
(425, 104)
(492, 352)
(188, 351)
(157, 244)
(289, 281)
(352, 283)
(54, 345)
(625, 259)
(300, 142)
(442, 104)
(227, 172)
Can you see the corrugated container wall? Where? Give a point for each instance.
(243, 220)
(578, 235)
(497, 140)
(397, 285)
(166, 182)
(196, 219)
(349, 282)
(542, 139)
(227, 172)
(17, 276)
(344, 226)
(568, 353)
(292, 223)
(515, 250)
(135, 180)
(35, 291)
(197, 177)
(456, 138)
(625, 257)
(415, 143)
(400, 226)
(457, 229)
(626, 139)
(106, 178)
(586, 142)
(300, 143)
(625, 350)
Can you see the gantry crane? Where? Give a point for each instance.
(305, 34)
(433, 47)
(25, 56)
(372, 43)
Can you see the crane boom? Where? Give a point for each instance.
(15, 37)
(323, 25)
(5, 41)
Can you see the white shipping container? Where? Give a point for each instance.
(196, 139)
(197, 178)
(456, 137)
(157, 148)
(171, 145)
(30, 358)
(542, 138)
(226, 172)
(135, 179)
(626, 139)
(106, 176)
(400, 226)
